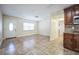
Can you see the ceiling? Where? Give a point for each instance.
(35, 12)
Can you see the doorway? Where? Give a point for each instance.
(10, 26)
(60, 27)
(12, 30)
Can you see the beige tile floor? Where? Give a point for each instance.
(35, 45)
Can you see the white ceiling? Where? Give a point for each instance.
(29, 11)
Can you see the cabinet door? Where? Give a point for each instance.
(76, 10)
(68, 13)
(76, 42)
(68, 41)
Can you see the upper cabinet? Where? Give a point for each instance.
(76, 9)
(69, 14)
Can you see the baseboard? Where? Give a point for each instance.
(1, 44)
(44, 35)
(25, 35)
(10, 37)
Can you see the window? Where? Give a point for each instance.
(11, 26)
(28, 26)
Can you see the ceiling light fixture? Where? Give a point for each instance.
(36, 16)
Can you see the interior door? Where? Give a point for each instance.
(11, 28)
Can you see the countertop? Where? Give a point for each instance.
(72, 32)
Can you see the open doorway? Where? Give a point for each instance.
(60, 27)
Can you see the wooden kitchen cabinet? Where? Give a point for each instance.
(71, 40)
(68, 15)
(76, 42)
(76, 9)
(68, 40)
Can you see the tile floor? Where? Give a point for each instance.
(35, 45)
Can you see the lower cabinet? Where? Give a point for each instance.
(68, 43)
(68, 40)
(71, 41)
(76, 42)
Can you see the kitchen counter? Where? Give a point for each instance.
(72, 32)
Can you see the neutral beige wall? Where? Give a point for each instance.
(0, 28)
(54, 24)
(19, 26)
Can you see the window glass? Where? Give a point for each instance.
(28, 26)
(10, 26)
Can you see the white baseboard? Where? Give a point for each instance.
(45, 35)
(25, 35)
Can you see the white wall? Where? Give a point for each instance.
(44, 27)
(0, 28)
(19, 26)
(55, 20)
(41, 27)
